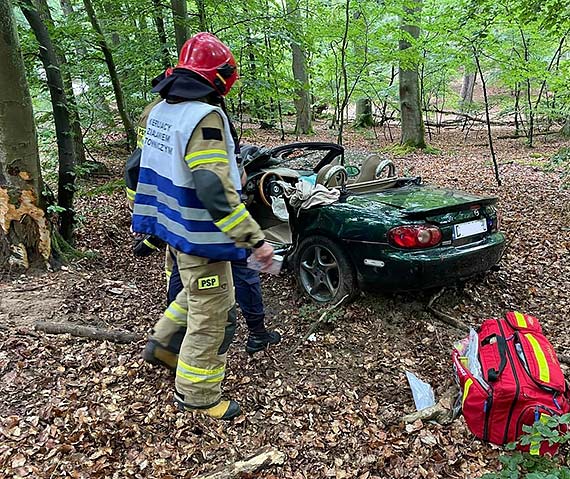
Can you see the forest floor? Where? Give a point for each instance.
(74, 407)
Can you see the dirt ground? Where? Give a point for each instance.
(73, 407)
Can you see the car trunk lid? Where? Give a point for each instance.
(416, 201)
(462, 217)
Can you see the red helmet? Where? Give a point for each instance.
(207, 56)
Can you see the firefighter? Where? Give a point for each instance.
(246, 281)
(188, 196)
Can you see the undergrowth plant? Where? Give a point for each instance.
(515, 465)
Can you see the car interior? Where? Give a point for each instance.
(316, 163)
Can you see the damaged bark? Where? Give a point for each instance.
(24, 231)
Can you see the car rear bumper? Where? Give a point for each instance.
(413, 270)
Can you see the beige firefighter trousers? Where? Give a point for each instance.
(206, 307)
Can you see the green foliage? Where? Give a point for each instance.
(561, 158)
(529, 466)
(404, 150)
(106, 189)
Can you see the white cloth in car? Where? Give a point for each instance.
(304, 195)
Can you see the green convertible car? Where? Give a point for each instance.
(380, 231)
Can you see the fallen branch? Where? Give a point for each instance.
(114, 335)
(514, 137)
(446, 318)
(442, 412)
(262, 459)
(316, 324)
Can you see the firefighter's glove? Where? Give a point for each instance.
(145, 245)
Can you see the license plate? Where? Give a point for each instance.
(470, 228)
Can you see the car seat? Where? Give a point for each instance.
(373, 168)
(332, 175)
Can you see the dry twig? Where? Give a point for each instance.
(446, 318)
(262, 459)
(114, 335)
(317, 323)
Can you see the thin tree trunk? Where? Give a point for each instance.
(528, 93)
(383, 117)
(67, 9)
(343, 71)
(413, 131)
(64, 133)
(45, 15)
(24, 231)
(467, 87)
(270, 67)
(517, 96)
(180, 19)
(119, 97)
(364, 117)
(202, 16)
(566, 128)
(487, 115)
(302, 100)
(159, 23)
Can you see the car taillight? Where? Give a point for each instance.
(415, 236)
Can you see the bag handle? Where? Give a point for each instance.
(493, 374)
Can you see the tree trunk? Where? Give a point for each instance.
(566, 128)
(364, 117)
(413, 132)
(80, 51)
(64, 133)
(202, 16)
(302, 98)
(79, 150)
(180, 19)
(24, 231)
(487, 115)
(159, 23)
(119, 97)
(467, 87)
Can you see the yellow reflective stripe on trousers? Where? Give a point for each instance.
(206, 156)
(149, 244)
(466, 388)
(131, 194)
(177, 314)
(199, 375)
(543, 369)
(521, 321)
(233, 219)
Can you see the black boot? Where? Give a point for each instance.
(258, 341)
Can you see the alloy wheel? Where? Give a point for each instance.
(319, 273)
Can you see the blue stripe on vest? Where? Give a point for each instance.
(174, 215)
(220, 252)
(185, 196)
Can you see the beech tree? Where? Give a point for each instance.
(302, 98)
(110, 61)
(24, 231)
(413, 132)
(62, 119)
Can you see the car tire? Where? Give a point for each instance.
(323, 271)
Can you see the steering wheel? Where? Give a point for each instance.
(266, 190)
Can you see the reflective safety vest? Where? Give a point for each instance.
(166, 204)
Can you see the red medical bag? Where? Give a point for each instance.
(521, 381)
